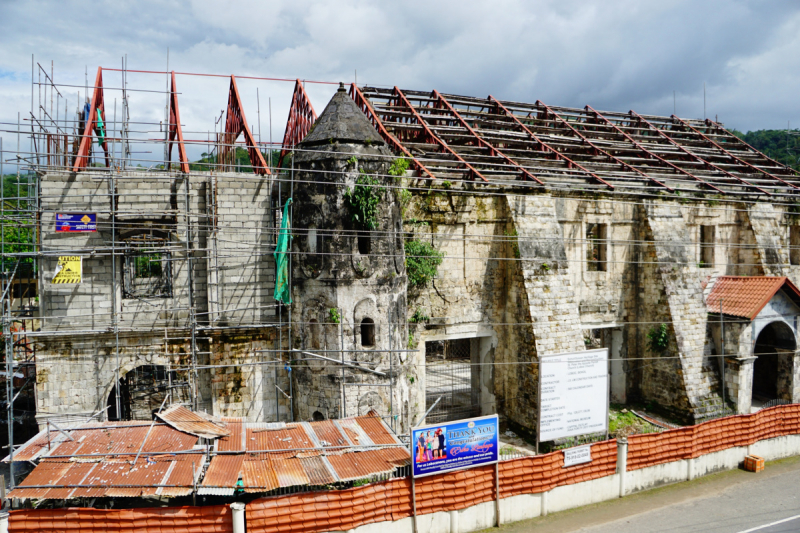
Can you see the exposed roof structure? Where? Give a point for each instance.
(453, 137)
(746, 296)
(135, 459)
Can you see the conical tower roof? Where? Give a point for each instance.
(342, 121)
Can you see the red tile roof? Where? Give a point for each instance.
(746, 296)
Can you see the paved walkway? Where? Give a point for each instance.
(728, 502)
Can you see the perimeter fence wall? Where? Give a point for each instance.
(467, 500)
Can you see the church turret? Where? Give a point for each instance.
(348, 274)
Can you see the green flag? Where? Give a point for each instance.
(283, 293)
(101, 129)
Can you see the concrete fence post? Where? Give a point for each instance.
(237, 508)
(543, 512)
(622, 463)
(4, 522)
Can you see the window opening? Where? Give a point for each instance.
(596, 247)
(367, 333)
(707, 234)
(364, 243)
(146, 268)
(794, 245)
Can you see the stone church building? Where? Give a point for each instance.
(668, 241)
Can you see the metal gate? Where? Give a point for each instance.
(450, 374)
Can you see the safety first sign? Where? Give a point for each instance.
(69, 269)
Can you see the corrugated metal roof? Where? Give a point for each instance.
(318, 470)
(746, 296)
(377, 430)
(259, 476)
(290, 472)
(305, 453)
(222, 475)
(188, 421)
(328, 434)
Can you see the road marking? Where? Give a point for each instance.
(795, 517)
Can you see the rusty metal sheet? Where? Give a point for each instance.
(354, 432)
(377, 430)
(222, 475)
(196, 424)
(47, 473)
(359, 465)
(328, 434)
(114, 476)
(168, 440)
(318, 471)
(292, 437)
(235, 441)
(290, 472)
(180, 479)
(259, 476)
(396, 456)
(74, 476)
(38, 445)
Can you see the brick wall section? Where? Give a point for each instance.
(541, 473)
(211, 519)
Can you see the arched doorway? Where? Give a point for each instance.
(772, 369)
(141, 392)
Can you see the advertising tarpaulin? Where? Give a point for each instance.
(69, 269)
(76, 222)
(455, 445)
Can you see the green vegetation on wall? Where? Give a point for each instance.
(422, 262)
(362, 202)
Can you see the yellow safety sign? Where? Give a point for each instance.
(69, 269)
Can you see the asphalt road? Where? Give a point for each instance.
(728, 502)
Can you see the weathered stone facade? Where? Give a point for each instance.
(526, 272)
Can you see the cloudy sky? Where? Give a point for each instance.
(610, 54)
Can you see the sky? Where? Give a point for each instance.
(650, 56)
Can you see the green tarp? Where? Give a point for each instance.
(283, 293)
(101, 129)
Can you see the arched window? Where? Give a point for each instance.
(318, 417)
(367, 333)
(364, 243)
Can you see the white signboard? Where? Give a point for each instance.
(578, 455)
(573, 394)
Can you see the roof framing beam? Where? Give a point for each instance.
(431, 138)
(442, 101)
(683, 149)
(366, 107)
(641, 147)
(547, 147)
(732, 156)
(301, 118)
(96, 106)
(788, 169)
(235, 124)
(597, 149)
(175, 131)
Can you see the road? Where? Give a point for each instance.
(728, 502)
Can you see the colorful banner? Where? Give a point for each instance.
(455, 445)
(69, 269)
(76, 222)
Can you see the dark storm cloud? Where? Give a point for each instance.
(616, 55)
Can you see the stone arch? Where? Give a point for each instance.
(143, 388)
(773, 368)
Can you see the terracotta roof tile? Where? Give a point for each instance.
(746, 296)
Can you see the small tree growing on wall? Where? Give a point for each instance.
(422, 262)
(658, 339)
